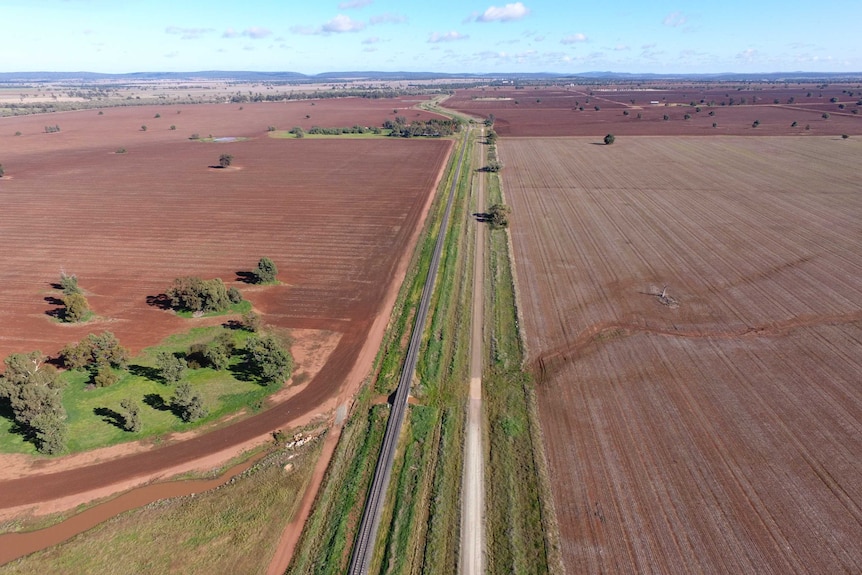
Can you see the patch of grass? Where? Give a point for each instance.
(242, 307)
(328, 534)
(94, 414)
(236, 528)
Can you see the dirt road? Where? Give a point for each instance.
(473, 487)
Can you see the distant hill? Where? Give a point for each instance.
(252, 76)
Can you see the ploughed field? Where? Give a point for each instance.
(632, 109)
(336, 216)
(693, 311)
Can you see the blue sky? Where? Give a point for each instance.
(440, 36)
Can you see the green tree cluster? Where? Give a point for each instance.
(34, 391)
(268, 359)
(194, 294)
(94, 352)
(186, 404)
(215, 353)
(171, 368)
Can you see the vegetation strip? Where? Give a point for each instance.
(371, 516)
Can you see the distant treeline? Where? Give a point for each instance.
(430, 128)
(373, 94)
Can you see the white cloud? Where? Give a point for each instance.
(387, 19)
(675, 19)
(749, 55)
(354, 4)
(256, 32)
(621, 48)
(372, 40)
(574, 39)
(446, 37)
(506, 13)
(341, 24)
(188, 33)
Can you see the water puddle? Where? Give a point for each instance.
(15, 545)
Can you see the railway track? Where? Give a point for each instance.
(363, 547)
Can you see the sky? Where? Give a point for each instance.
(474, 36)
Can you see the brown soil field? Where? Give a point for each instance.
(337, 216)
(717, 429)
(556, 111)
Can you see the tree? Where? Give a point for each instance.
(251, 322)
(105, 376)
(494, 166)
(69, 283)
(225, 160)
(186, 404)
(77, 308)
(171, 368)
(499, 215)
(298, 132)
(144, 128)
(825, 116)
(491, 137)
(2, 171)
(266, 271)
(95, 351)
(610, 139)
(131, 413)
(268, 359)
(34, 390)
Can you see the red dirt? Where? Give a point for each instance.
(717, 430)
(337, 217)
(556, 111)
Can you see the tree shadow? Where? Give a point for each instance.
(55, 285)
(232, 324)
(15, 428)
(246, 277)
(482, 217)
(157, 402)
(161, 301)
(151, 373)
(244, 371)
(57, 312)
(108, 415)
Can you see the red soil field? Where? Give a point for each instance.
(717, 429)
(556, 111)
(337, 216)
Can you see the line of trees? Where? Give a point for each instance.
(430, 128)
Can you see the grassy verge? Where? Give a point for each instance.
(232, 529)
(520, 529)
(94, 415)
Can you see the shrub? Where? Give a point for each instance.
(609, 139)
(225, 160)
